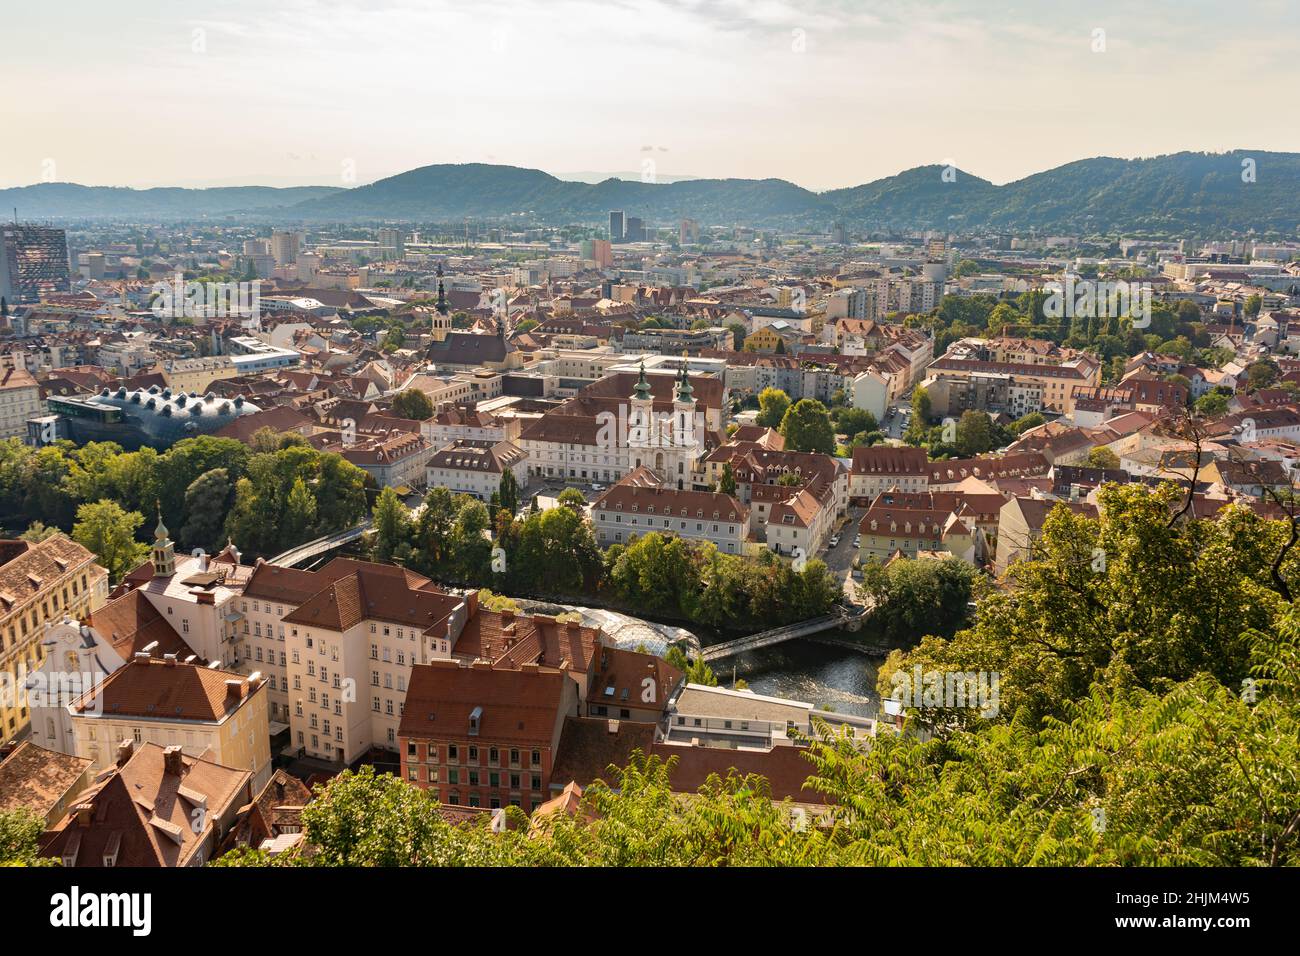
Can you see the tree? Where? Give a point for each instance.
(851, 421)
(773, 404)
(572, 498)
(412, 403)
(1261, 374)
(508, 491)
(20, 838)
(208, 500)
(108, 531)
(807, 427)
(1252, 306)
(727, 482)
(910, 599)
(919, 426)
(1102, 457)
(1212, 405)
(37, 532)
(975, 433)
(392, 525)
(299, 522)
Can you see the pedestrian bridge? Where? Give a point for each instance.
(311, 549)
(848, 619)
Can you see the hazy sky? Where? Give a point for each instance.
(824, 93)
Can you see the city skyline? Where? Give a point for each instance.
(675, 87)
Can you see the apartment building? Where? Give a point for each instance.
(480, 736)
(880, 468)
(20, 399)
(958, 384)
(39, 583)
(157, 806)
(638, 504)
(887, 531)
(475, 467)
(214, 714)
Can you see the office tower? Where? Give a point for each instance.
(33, 263)
(285, 246)
(91, 265)
(393, 239)
(616, 225)
(689, 232)
(602, 253)
(256, 247)
(635, 231)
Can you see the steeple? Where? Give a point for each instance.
(685, 391)
(163, 556)
(442, 293)
(641, 392)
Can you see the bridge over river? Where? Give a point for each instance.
(311, 549)
(841, 619)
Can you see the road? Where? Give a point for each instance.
(840, 558)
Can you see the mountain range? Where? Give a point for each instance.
(1236, 191)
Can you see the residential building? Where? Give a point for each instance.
(638, 504)
(39, 583)
(475, 468)
(216, 714)
(157, 806)
(480, 736)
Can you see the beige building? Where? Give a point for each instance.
(213, 714)
(39, 583)
(1020, 523)
(20, 399)
(196, 374)
(637, 505)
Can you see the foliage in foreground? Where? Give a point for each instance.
(1196, 776)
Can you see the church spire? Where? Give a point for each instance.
(641, 392)
(163, 556)
(442, 293)
(685, 391)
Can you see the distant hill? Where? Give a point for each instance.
(1174, 192)
(71, 201)
(1178, 192)
(478, 190)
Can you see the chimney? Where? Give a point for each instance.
(172, 763)
(612, 726)
(234, 689)
(169, 660)
(84, 812)
(124, 751)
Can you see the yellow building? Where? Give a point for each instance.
(765, 339)
(218, 715)
(39, 583)
(196, 374)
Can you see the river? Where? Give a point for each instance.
(821, 674)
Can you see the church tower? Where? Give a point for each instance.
(687, 445)
(164, 550)
(441, 316)
(641, 424)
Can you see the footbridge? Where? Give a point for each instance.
(311, 549)
(844, 618)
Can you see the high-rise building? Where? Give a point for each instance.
(33, 263)
(393, 239)
(285, 246)
(635, 231)
(257, 247)
(689, 233)
(616, 225)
